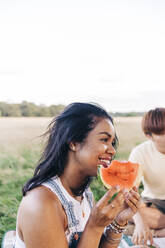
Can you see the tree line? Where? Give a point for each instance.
(28, 109)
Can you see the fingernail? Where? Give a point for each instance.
(127, 195)
(135, 188)
(117, 187)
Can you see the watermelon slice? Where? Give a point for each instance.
(121, 173)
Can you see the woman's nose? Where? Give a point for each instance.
(111, 149)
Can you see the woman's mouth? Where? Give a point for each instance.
(104, 162)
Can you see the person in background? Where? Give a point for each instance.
(57, 209)
(150, 219)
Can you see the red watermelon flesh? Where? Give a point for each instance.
(121, 173)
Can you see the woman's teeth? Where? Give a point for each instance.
(105, 161)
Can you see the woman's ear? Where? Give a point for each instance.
(72, 146)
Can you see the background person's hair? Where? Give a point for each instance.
(154, 121)
(72, 125)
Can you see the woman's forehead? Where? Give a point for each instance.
(105, 125)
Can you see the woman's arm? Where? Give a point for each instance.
(41, 220)
(110, 239)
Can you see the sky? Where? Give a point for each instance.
(107, 51)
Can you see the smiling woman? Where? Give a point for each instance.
(57, 208)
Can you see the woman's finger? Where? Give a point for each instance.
(107, 197)
(116, 203)
(135, 194)
(132, 198)
(133, 207)
(135, 188)
(134, 201)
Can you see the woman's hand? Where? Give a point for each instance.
(105, 211)
(130, 207)
(142, 234)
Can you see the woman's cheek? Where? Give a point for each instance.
(105, 147)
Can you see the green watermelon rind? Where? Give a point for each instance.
(109, 186)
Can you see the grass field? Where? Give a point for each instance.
(20, 147)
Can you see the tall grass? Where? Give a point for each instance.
(14, 172)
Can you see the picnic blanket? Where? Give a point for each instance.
(126, 242)
(9, 239)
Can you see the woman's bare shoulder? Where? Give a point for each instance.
(40, 203)
(41, 215)
(39, 198)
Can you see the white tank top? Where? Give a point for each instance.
(77, 213)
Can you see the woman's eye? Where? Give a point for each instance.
(105, 139)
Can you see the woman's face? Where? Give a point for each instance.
(97, 149)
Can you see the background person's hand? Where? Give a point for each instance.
(142, 234)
